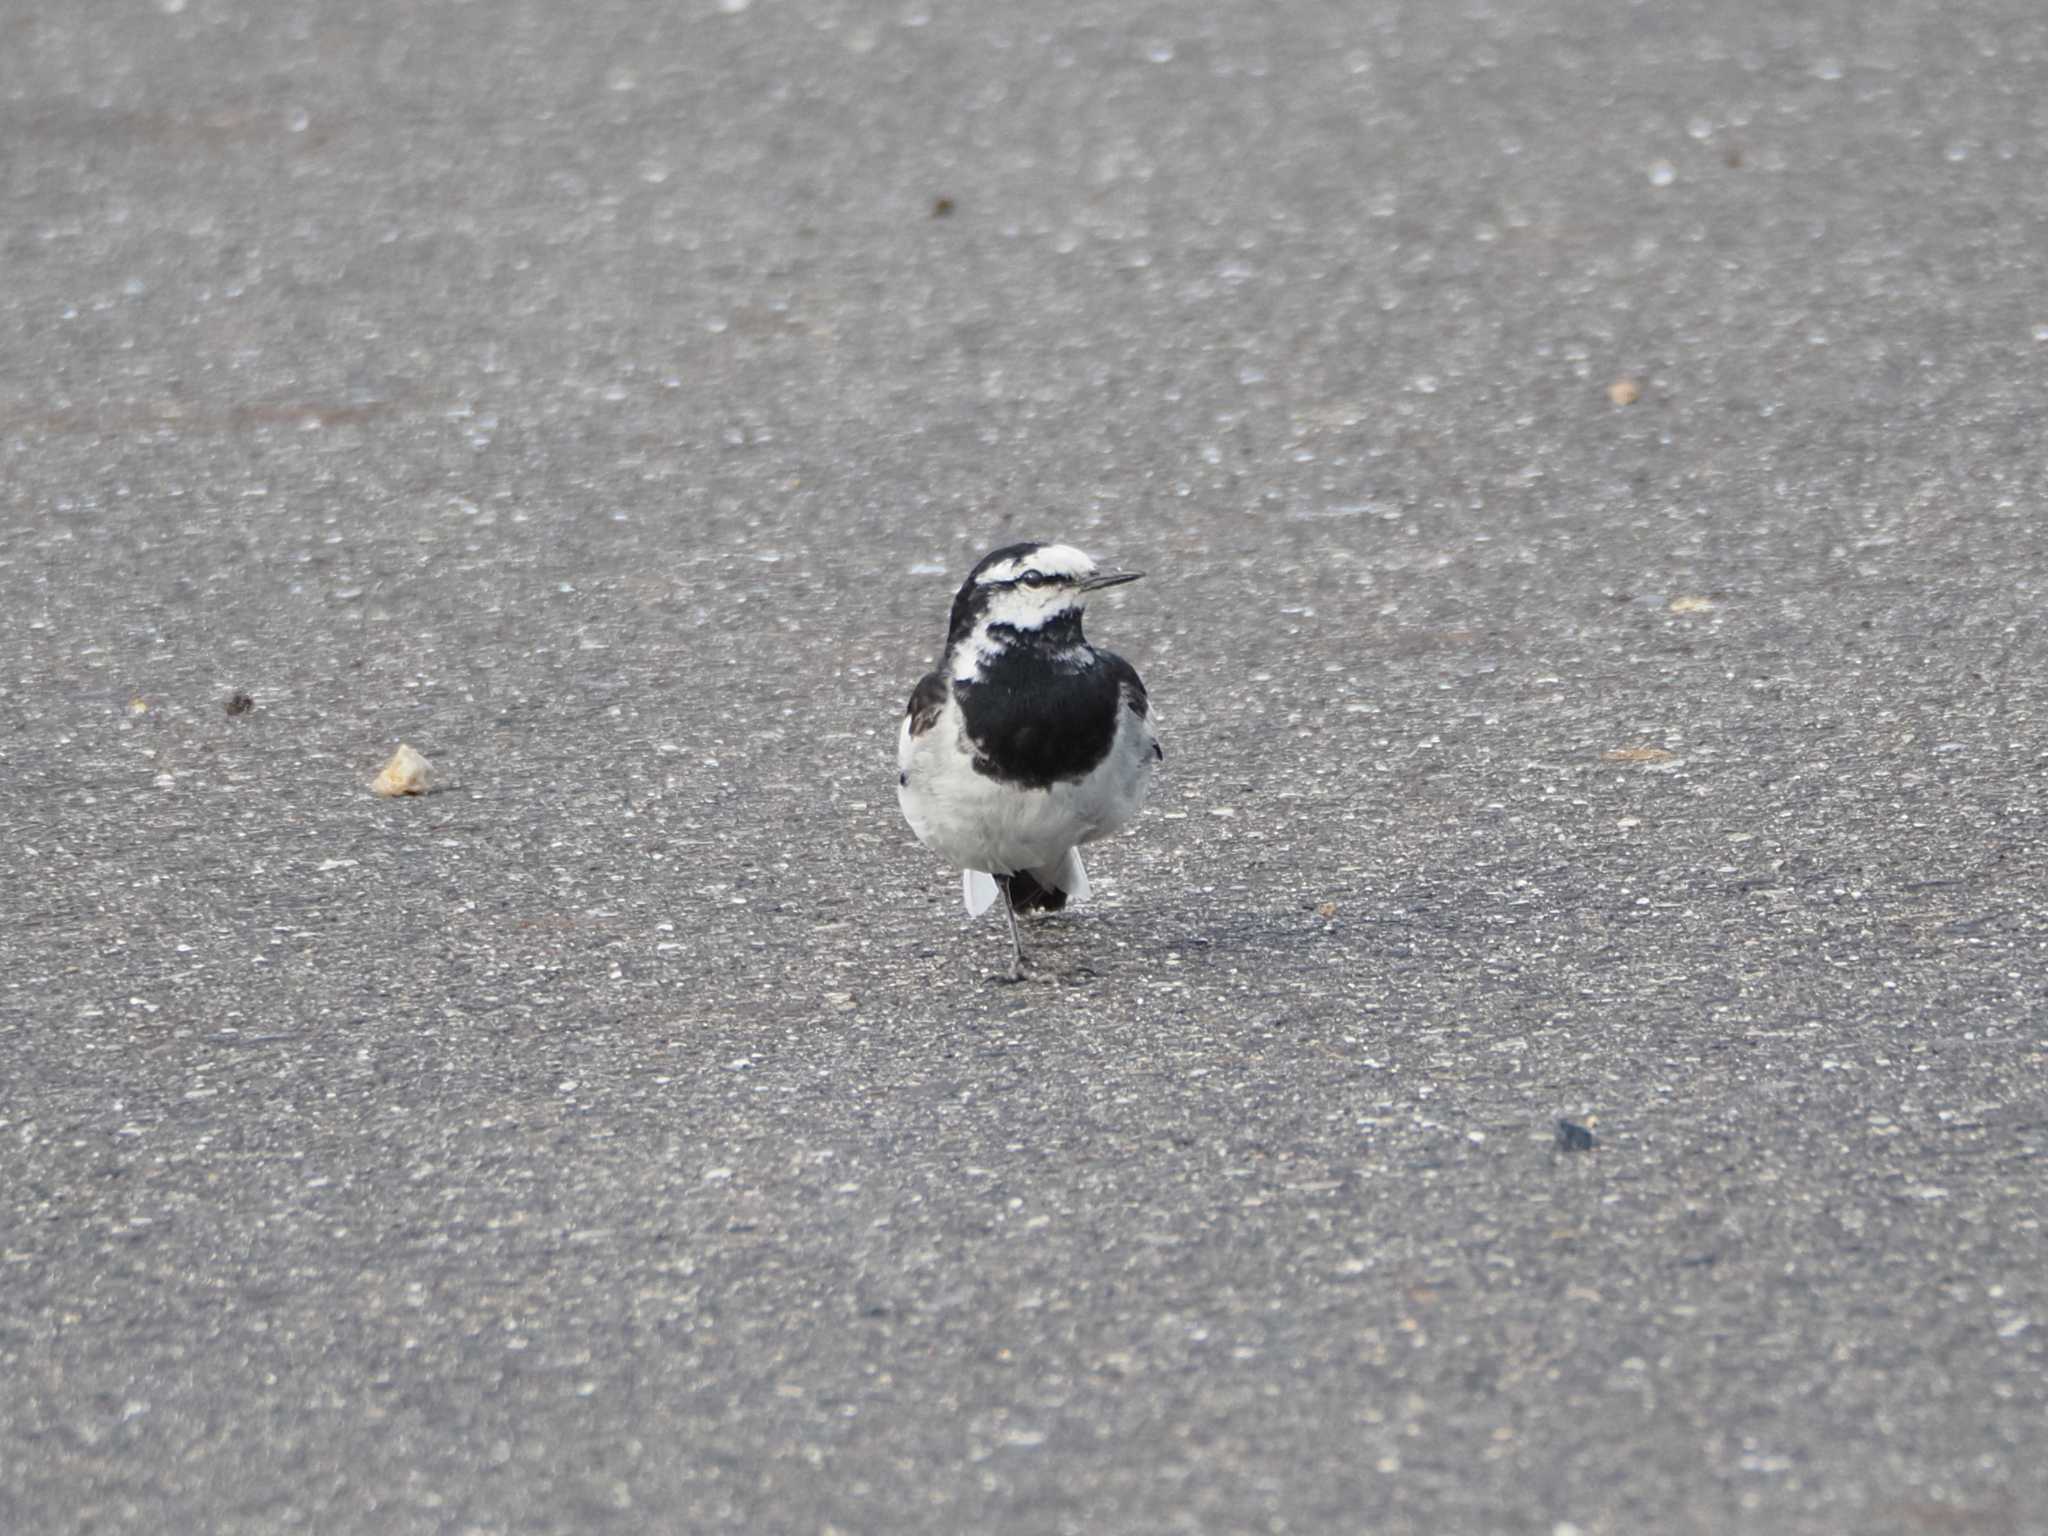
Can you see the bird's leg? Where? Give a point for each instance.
(1016, 943)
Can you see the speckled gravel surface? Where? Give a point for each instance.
(1589, 459)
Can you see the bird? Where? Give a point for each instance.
(1025, 741)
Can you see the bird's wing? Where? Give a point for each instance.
(978, 890)
(1131, 688)
(927, 702)
(1128, 682)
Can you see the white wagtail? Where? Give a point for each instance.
(1027, 741)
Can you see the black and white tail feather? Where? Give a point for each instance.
(1031, 890)
(1027, 741)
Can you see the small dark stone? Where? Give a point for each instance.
(941, 207)
(1574, 1138)
(239, 703)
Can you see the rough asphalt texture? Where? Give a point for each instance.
(600, 398)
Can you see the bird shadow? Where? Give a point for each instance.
(1080, 975)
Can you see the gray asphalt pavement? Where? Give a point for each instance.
(1589, 461)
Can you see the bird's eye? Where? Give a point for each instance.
(1032, 579)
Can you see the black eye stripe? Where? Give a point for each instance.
(1030, 579)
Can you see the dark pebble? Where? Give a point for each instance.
(1574, 1138)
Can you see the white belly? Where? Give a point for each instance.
(976, 822)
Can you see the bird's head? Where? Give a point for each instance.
(1028, 589)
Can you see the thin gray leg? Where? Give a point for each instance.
(1016, 943)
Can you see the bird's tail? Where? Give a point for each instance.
(1045, 889)
(1057, 884)
(978, 890)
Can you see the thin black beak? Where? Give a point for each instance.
(1108, 579)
